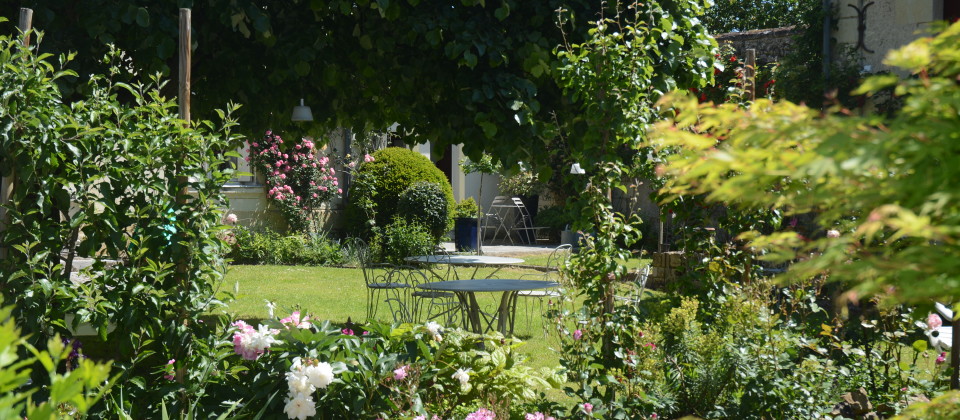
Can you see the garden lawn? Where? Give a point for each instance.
(339, 294)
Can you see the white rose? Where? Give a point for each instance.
(300, 407)
(320, 375)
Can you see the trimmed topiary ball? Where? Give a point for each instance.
(375, 192)
(424, 203)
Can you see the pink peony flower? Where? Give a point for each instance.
(294, 320)
(587, 408)
(367, 158)
(577, 334)
(352, 164)
(231, 219)
(339, 191)
(934, 321)
(250, 343)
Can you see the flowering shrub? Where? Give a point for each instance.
(299, 181)
(381, 371)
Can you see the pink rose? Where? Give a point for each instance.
(577, 334)
(400, 373)
(934, 321)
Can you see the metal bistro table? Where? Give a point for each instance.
(506, 310)
(475, 261)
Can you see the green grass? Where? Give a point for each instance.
(339, 294)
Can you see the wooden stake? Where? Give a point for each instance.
(185, 65)
(750, 75)
(6, 183)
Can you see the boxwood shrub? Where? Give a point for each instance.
(375, 192)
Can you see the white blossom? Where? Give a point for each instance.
(300, 407)
(462, 375)
(320, 374)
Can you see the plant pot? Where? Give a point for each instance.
(570, 237)
(465, 233)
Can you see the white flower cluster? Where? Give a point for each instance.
(304, 378)
(251, 343)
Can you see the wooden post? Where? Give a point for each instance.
(184, 91)
(6, 183)
(750, 75)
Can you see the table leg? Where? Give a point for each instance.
(472, 309)
(504, 313)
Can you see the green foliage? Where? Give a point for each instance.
(945, 406)
(376, 190)
(466, 208)
(365, 359)
(801, 77)
(70, 394)
(556, 218)
(402, 239)
(522, 183)
(884, 184)
(480, 73)
(128, 182)
(269, 247)
(424, 203)
(744, 15)
(747, 352)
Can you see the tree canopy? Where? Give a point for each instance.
(744, 15)
(473, 72)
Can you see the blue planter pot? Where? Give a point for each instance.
(465, 233)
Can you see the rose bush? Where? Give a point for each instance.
(299, 180)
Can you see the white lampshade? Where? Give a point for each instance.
(302, 112)
(577, 170)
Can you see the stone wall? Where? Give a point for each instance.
(771, 44)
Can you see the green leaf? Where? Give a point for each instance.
(365, 42)
(470, 58)
(489, 129)
(143, 17)
(920, 346)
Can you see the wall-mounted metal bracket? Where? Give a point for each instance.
(862, 24)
